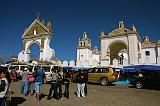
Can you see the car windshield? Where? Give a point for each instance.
(13, 67)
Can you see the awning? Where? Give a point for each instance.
(142, 67)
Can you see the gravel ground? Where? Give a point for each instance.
(115, 95)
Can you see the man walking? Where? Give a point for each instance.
(39, 78)
(25, 83)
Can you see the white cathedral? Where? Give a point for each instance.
(118, 48)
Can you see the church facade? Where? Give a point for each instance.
(118, 48)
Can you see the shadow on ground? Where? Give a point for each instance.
(42, 96)
(17, 100)
(149, 88)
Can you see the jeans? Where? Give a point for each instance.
(31, 88)
(24, 87)
(3, 101)
(80, 90)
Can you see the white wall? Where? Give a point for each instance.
(148, 59)
(84, 55)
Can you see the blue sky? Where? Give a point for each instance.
(70, 18)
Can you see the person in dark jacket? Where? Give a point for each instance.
(4, 87)
(66, 80)
(54, 85)
(59, 81)
(80, 84)
(86, 81)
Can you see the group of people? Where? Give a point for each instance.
(57, 79)
(32, 81)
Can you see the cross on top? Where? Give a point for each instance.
(38, 14)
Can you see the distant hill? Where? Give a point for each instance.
(5, 59)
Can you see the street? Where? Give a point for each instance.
(114, 95)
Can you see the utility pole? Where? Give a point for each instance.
(156, 52)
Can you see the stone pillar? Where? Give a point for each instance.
(133, 49)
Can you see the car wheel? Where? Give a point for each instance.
(139, 85)
(104, 81)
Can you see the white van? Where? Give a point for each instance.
(18, 67)
(48, 70)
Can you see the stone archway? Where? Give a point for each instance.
(121, 41)
(37, 33)
(28, 49)
(116, 49)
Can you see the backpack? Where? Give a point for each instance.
(53, 77)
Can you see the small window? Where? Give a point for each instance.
(91, 71)
(99, 70)
(105, 70)
(147, 53)
(81, 55)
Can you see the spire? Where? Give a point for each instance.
(49, 25)
(43, 22)
(37, 16)
(121, 24)
(133, 28)
(102, 33)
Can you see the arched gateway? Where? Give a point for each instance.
(122, 46)
(37, 33)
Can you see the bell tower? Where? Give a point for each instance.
(85, 42)
(84, 51)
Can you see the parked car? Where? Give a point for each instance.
(144, 76)
(150, 79)
(102, 75)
